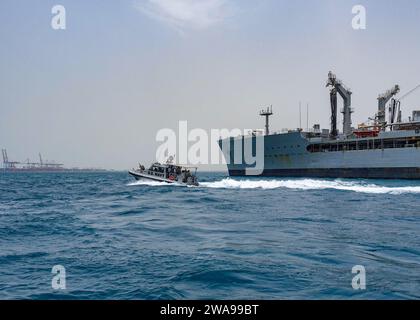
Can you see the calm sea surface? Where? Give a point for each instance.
(236, 238)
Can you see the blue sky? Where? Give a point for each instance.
(96, 93)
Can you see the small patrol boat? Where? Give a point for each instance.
(168, 172)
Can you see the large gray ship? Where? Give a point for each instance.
(383, 149)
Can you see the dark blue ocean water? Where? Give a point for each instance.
(228, 239)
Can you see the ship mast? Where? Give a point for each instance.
(267, 113)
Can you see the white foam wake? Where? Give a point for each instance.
(309, 184)
(151, 183)
(147, 183)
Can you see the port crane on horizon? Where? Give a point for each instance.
(6, 163)
(41, 165)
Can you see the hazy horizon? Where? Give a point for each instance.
(95, 94)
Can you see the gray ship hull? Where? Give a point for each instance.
(287, 155)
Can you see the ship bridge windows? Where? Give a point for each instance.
(369, 144)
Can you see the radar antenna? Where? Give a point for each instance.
(267, 113)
